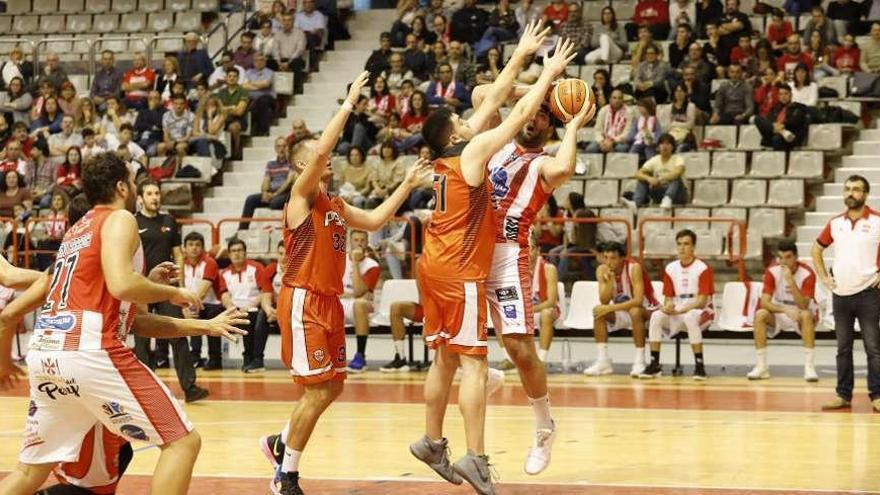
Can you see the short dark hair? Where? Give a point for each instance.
(248, 34)
(385, 35)
(233, 70)
(88, 131)
(19, 125)
(142, 185)
(77, 208)
(178, 96)
(787, 246)
(859, 178)
(686, 233)
(666, 138)
(614, 246)
(194, 237)
(126, 127)
(783, 86)
(100, 175)
(437, 129)
(234, 242)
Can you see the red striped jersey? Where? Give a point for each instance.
(518, 194)
(80, 314)
(97, 468)
(623, 286)
(315, 251)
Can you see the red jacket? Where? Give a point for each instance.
(651, 12)
(846, 58)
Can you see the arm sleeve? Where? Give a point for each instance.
(769, 283)
(211, 273)
(371, 277)
(825, 238)
(220, 286)
(668, 286)
(808, 287)
(265, 279)
(707, 282)
(175, 231)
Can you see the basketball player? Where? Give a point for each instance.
(309, 310)
(78, 359)
(399, 311)
(688, 285)
(787, 304)
(545, 297)
(627, 300)
(523, 177)
(359, 281)
(455, 266)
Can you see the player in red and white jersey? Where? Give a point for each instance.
(241, 289)
(787, 304)
(688, 286)
(359, 281)
(309, 310)
(202, 276)
(627, 300)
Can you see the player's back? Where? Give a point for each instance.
(517, 191)
(314, 256)
(460, 239)
(80, 314)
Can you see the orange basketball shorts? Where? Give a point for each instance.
(455, 314)
(312, 335)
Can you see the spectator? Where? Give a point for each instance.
(791, 58)
(54, 227)
(359, 132)
(698, 92)
(107, 81)
(708, 12)
(734, 103)
(465, 72)
(555, 14)
(52, 71)
(440, 31)
(682, 116)
(421, 196)
(148, 124)
(382, 103)
(786, 125)
(687, 304)
(765, 95)
(579, 240)
(845, 58)
(436, 56)
(290, 46)
(15, 102)
(234, 99)
(469, 23)
(313, 23)
(67, 99)
(41, 174)
(870, 59)
(202, 276)
(49, 121)
(265, 42)
(502, 27)
(359, 281)
(613, 123)
(193, 96)
(732, 25)
(683, 12)
(20, 134)
(645, 130)
(654, 14)
(821, 56)
(267, 317)
(275, 190)
(170, 74)
(407, 10)
(526, 13)
(577, 30)
(208, 125)
(378, 60)
(608, 41)
(298, 132)
(420, 32)
(138, 82)
(126, 140)
(661, 179)
(602, 87)
(91, 147)
(357, 178)
(243, 293)
(194, 64)
(177, 129)
(60, 142)
(14, 193)
(244, 54)
(396, 72)
(551, 232)
(712, 48)
(45, 91)
(445, 91)
(415, 59)
(803, 89)
(88, 118)
(490, 67)
(703, 70)
(650, 76)
(113, 119)
(13, 159)
(260, 85)
(820, 23)
(764, 57)
(389, 173)
(778, 30)
(645, 39)
(16, 66)
(743, 55)
(410, 134)
(218, 77)
(846, 16)
(679, 47)
(5, 128)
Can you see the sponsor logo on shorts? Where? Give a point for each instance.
(31, 437)
(135, 432)
(32, 409)
(115, 412)
(318, 355)
(505, 294)
(50, 366)
(57, 388)
(509, 310)
(62, 322)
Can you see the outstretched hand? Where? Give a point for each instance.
(354, 91)
(588, 111)
(532, 38)
(563, 54)
(418, 172)
(224, 325)
(165, 273)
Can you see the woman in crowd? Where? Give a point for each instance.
(49, 121)
(54, 227)
(357, 178)
(411, 122)
(67, 99)
(69, 173)
(821, 54)
(489, 68)
(208, 125)
(46, 90)
(87, 118)
(170, 73)
(14, 192)
(382, 103)
(681, 119)
(645, 130)
(390, 171)
(602, 87)
(15, 102)
(551, 232)
(803, 89)
(765, 92)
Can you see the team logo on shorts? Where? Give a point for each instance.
(135, 432)
(115, 412)
(50, 366)
(505, 294)
(509, 310)
(318, 355)
(59, 388)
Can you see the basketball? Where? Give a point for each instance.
(567, 97)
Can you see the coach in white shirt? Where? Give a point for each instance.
(855, 284)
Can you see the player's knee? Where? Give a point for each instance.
(192, 442)
(520, 348)
(762, 315)
(33, 475)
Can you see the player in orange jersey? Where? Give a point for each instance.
(457, 259)
(309, 310)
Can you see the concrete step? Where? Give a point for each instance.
(248, 165)
(834, 203)
(335, 75)
(223, 207)
(805, 247)
(866, 161)
(242, 179)
(872, 174)
(863, 147)
(818, 218)
(869, 135)
(809, 232)
(232, 192)
(263, 154)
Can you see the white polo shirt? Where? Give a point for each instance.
(857, 250)
(243, 286)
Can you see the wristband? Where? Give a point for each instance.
(347, 106)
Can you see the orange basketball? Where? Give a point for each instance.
(567, 97)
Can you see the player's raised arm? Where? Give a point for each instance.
(374, 219)
(488, 98)
(165, 327)
(15, 277)
(557, 170)
(478, 151)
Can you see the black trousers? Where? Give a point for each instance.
(769, 137)
(262, 329)
(250, 339)
(183, 363)
(262, 115)
(863, 307)
(215, 348)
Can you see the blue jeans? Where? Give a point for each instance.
(255, 201)
(360, 138)
(675, 190)
(644, 151)
(862, 306)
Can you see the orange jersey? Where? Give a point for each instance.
(460, 238)
(314, 256)
(80, 314)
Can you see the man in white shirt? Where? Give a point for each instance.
(313, 23)
(855, 284)
(218, 77)
(241, 282)
(59, 143)
(202, 276)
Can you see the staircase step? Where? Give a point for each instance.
(834, 203)
(869, 134)
(872, 174)
(809, 232)
(863, 147)
(863, 161)
(242, 179)
(264, 154)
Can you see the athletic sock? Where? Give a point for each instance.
(398, 348)
(655, 356)
(762, 357)
(809, 355)
(698, 358)
(542, 354)
(362, 344)
(602, 348)
(285, 432)
(640, 355)
(541, 407)
(290, 464)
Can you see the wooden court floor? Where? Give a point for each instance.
(616, 436)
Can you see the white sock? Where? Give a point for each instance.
(285, 432)
(398, 348)
(762, 357)
(542, 354)
(602, 347)
(541, 407)
(809, 355)
(640, 355)
(290, 464)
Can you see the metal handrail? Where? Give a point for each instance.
(94, 45)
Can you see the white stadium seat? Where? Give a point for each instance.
(124, 6)
(393, 290)
(563, 306)
(620, 73)
(45, 6)
(134, 22)
(177, 5)
(691, 213)
(749, 138)
(187, 21)
(71, 6)
(709, 242)
(728, 164)
(732, 303)
(51, 24)
(652, 227)
(160, 21)
(25, 24)
(696, 164)
(149, 6)
(805, 164)
(710, 192)
(601, 192)
(786, 192)
(767, 164)
(77, 24)
(825, 137)
(584, 297)
(18, 7)
(726, 134)
(97, 6)
(660, 243)
(587, 71)
(620, 165)
(105, 23)
(770, 222)
(749, 192)
(591, 163)
(727, 212)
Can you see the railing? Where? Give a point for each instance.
(583, 220)
(29, 250)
